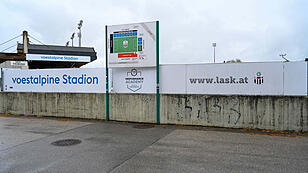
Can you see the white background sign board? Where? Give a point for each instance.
(79, 80)
(132, 45)
(289, 78)
(19, 63)
(172, 79)
(67, 58)
(295, 78)
(235, 78)
(1, 79)
(134, 80)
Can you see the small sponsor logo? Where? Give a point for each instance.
(134, 80)
(258, 79)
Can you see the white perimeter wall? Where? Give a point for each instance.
(295, 78)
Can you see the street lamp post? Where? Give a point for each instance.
(79, 33)
(214, 46)
(72, 38)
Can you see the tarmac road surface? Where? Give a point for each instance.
(26, 147)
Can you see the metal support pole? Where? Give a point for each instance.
(79, 37)
(107, 77)
(214, 46)
(157, 75)
(79, 34)
(25, 40)
(72, 38)
(214, 54)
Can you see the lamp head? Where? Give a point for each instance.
(80, 24)
(73, 35)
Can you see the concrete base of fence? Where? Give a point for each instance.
(90, 106)
(256, 112)
(133, 107)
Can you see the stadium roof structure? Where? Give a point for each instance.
(59, 50)
(11, 57)
(51, 50)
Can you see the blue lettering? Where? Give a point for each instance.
(57, 80)
(89, 81)
(95, 79)
(23, 80)
(43, 81)
(64, 79)
(35, 80)
(31, 79)
(74, 80)
(14, 80)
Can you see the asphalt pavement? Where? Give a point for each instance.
(31, 145)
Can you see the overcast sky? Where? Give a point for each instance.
(250, 30)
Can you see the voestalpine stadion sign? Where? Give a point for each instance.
(66, 58)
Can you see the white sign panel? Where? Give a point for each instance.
(224, 79)
(55, 80)
(172, 79)
(295, 78)
(236, 78)
(1, 80)
(132, 45)
(19, 63)
(67, 58)
(134, 80)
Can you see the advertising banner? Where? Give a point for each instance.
(295, 78)
(68, 58)
(235, 78)
(1, 80)
(278, 78)
(79, 80)
(133, 80)
(173, 79)
(132, 45)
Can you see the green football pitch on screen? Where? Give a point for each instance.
(125, 44)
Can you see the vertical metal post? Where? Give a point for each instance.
(107, 76)
(214, 46)
(72, 38)
(157, 75)
(214, 54)
(25, 40)
(79, 34)
(79, 37)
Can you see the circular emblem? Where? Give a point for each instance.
(125, 43)
(134, 72)
(258, 73)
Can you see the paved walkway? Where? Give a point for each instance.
(25, 146)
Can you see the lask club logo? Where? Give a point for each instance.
(258, 79)
(134, 80)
